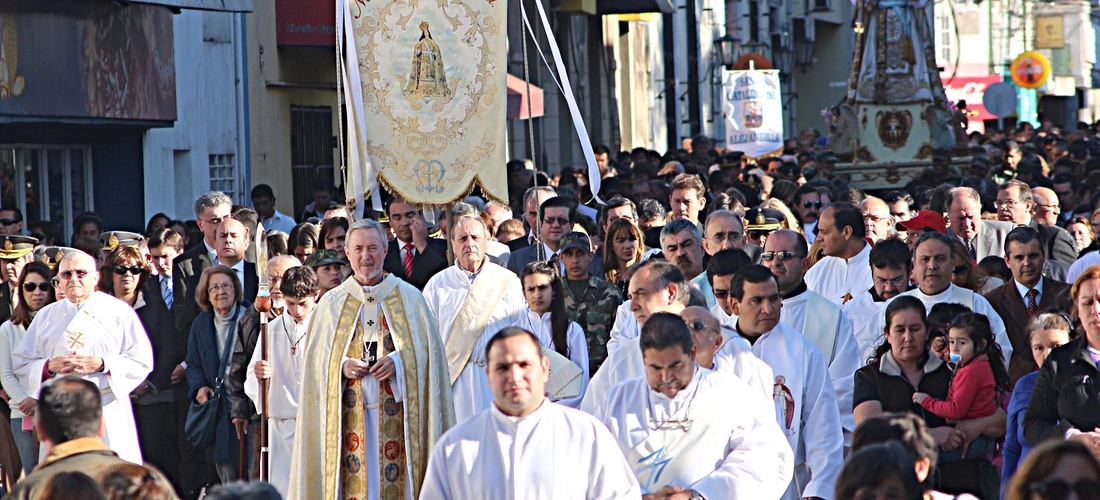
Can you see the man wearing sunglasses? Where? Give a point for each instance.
(95, 336)
(15, 252)
(819, 319)
(808, 201)
(11, 220)
(555, 219)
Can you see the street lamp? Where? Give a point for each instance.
(729, 49)
(803, 28)
(820, 6)
(782, 55)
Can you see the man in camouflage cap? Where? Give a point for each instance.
(590, 301)
(330, 269)
(15, 252)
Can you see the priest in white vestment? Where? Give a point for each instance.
(92, 335)
(845, 270)
(286, 335)
(472, 300)
(376, 395)
(659, 286)
(803, 394)
(819, 320)
(523, 447)
(933, 258)
(684, 428)
(891, 264)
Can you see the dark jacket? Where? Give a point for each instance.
(248, 335)
(425, 264)
(1008, 303)
(203, 361)
(519, 259)
(186, 269)
(5, 302)
(1056, 241)
(1067, 394)
(159, 326)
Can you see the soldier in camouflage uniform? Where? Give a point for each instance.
(590, 301)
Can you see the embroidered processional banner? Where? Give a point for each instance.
(424, 85)
(752, 105)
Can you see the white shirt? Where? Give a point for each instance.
(814, 432)
(843, 361)
(578, 345)
(445, 293)
(237, 268)
(624, 328)
(554, 452)
(863, 311)
(1023, 291)
(286, 367)
(756, 461)
(108, 328)
(279, 222)
(958, 295)
(808, 232)
(834, 277)
(1078, 267)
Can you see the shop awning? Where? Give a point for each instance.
(217, 5)
(517, 99)
(635, 6)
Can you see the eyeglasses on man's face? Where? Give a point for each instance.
(782, 256)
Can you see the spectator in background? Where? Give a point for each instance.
(509, 230)
(1054, 470)
(156, 222)
(331, 236)
(263, 201)
(11, 220)
(88, 225)
(651, 214)
(304, 239)
(880, 470)
(135, 482)
(1080, 228)
(322, 198)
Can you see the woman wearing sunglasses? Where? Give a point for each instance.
(1057, 470)
(967, 274)
(124, 274)
(35, 293)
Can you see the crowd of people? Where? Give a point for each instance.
(714, 326)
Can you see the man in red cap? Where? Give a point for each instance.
(926, 221)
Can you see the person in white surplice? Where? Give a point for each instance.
(546, 318)
(693, 432)
(524, 446)
(283, 370)
(844, 270)
(659, 286)
(805, 402)
(95, 336)
(472, 300)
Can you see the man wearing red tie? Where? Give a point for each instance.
(412, 256)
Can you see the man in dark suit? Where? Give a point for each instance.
(533, 198)
(1024, 295)
(210, 209)
(412, 255)
(556, 216)
(15, 252)
(1016, 204)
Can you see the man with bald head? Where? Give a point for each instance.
(844, 271)
(472, 300)
(877, 219)
(981, 238)
(1047, 208)
(723, 230)
(92, 335)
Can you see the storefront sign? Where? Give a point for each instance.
(971, 90)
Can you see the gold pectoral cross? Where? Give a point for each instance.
(72, 341)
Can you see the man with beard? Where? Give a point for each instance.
(681, 242)
(472, 300)
(808, 201)
(820, 321)
(659, 286)
(890, 265)
(1027, 293)
(805, 402)
(843, 271)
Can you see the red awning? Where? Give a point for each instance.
(517, 99)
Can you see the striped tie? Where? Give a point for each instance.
(972, 251)
(408, 260)
(166, 290)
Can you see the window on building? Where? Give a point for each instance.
(945, 38)
(47, 182)
(223, 175)
(311, 151)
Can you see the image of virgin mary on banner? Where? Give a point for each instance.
(424, 87)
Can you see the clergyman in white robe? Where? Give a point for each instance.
(101, 326)
(446, 293)
(838, 279)
(285, 348)
(741, 454)
(555, 452)
(863, 311)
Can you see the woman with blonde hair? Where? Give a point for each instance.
(965, 273)
(789, 220)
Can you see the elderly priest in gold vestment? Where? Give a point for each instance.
(377, 394)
